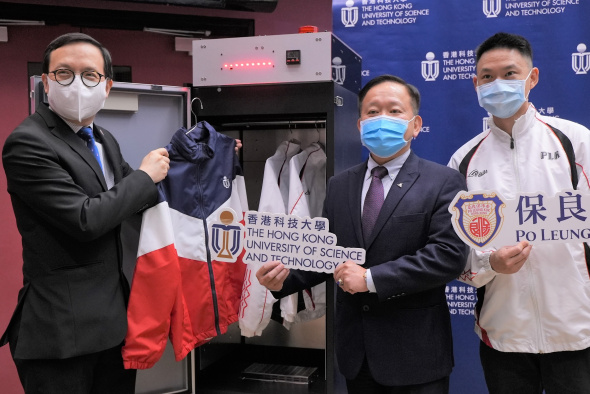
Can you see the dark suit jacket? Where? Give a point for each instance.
(404, 329)
(74, 293)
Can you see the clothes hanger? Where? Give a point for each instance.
(193, 113)
(321, 144)
(293, 139)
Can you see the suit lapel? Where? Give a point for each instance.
(404, 180)
(355, 190)
(62, 131)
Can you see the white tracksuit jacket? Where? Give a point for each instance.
(294, 183)
(545, 306)
(307, 192)
(257, 301)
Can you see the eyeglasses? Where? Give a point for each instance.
(65, 77)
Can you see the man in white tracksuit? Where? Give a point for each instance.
(533, 311)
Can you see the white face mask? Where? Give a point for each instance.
(76, 101)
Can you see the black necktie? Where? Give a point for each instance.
(373, 201)
(86, 134)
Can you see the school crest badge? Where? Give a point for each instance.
(477, 217)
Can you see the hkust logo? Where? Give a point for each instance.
(338, 71)
(477, 218)
(226, 182)
(492, 8)
(226, 237)
(581, 60)
(430, 67)
(349, 15)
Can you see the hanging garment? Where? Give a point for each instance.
(307, 191)
(178, 290)
(257, 301)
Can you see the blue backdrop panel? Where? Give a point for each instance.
(431, 44)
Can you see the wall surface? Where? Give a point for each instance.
(153, 60)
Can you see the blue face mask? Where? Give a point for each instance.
(503, 97)
(384, 135)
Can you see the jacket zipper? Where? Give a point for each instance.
(540, 340)
(209, 263)
(529, 267)
(211, 279)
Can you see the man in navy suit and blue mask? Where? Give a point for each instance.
(71, 189)
(393, 328)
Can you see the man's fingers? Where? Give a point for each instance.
(524, 254)
(510, 259)
(265, 269)
(281, 275)
(272, 275)
(509, 252)
(518, 248)
(274, 271)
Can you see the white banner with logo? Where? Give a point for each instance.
(487, 221)
(297, 242)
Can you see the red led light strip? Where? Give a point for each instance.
(247, 64)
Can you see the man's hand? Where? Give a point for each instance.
(272, 275)
(510, 259)
(238, 145)
(156, 164)
(349, 276)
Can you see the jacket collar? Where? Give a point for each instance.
(521, 126)
(196, 144)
